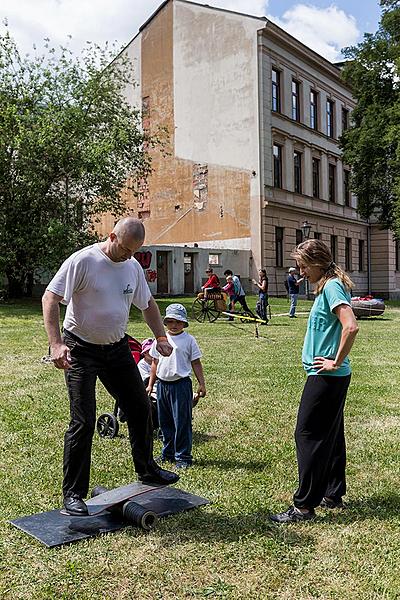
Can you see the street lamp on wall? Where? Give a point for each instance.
(306, 229)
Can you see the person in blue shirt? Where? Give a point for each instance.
(319, 435)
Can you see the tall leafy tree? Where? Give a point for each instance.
(69, 142)
(372, 145)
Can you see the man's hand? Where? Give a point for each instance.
(324, 365)
(164, 347)
(60, 355)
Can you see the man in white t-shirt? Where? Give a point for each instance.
(99, 284)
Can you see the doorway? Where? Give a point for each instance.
(188, 272)
(162, 272)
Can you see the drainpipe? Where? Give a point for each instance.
(369, 257)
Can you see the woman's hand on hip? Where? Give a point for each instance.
(324, 365)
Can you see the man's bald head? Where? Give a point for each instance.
(130, 228)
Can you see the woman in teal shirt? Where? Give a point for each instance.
(319, 435)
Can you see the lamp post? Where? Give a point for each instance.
(306, 230)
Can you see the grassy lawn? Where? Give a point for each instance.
(245, 465)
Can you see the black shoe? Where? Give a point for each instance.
(292, 515)
(158, 475)
(331, 503)
(75, 506)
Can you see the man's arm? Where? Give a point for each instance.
(51, 314)
(152, 316)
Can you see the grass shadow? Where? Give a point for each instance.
(200, 438)
(375, 507)
(203, 526)
(228, 465)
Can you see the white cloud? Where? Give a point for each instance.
(249, 7)
(97, 21)
(325, 30)
(85, 20)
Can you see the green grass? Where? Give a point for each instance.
(245, 464)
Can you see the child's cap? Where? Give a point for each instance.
(177, 312)
(292, 269)
(147, 344)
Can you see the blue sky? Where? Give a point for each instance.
(325, 26)
(366, 12)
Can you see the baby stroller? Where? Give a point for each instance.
(107, 423)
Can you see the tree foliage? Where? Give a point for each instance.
(372, 145)
(69, 142)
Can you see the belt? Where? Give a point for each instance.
(90, 345)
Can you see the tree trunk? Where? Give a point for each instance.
(15, 286)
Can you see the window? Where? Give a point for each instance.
(315, 177)
(295, 100)
(277, 152)
(397, 255)
(346, 187)
(297, 172)
(317, 235)
(345, 119)
(314, 110)
(299, 236)
(347, 254)
(279, 246)
(276, 90)
(361, 255)
(334, 247)
(213, 259)
(332, 183)
(330, 118)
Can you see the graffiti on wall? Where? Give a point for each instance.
(143, 258)
(151, 275)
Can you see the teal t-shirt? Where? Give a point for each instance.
(324, 329)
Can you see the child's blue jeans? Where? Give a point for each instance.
(175, 403)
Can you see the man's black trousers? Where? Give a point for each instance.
(114, 365)
(320, 443)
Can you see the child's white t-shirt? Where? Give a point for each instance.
(179, 363)
(144, 369)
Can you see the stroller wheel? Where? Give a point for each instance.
(107, 426)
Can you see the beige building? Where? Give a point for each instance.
(254, 118)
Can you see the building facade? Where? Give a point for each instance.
(253, 119)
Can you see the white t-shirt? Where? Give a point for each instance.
(144, 369)
(99, 293)
(179, 363)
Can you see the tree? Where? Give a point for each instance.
(372, 145)
(69, 142)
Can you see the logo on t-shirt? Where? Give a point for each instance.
(128, 290)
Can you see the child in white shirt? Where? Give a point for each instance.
(174, 387)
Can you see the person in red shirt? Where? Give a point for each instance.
(211, 285)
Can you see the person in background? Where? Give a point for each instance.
(240, 294)
(293, 288)
(319, 434)
(212, 284)
(99, 284)
(174, 388)
(262, 284)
